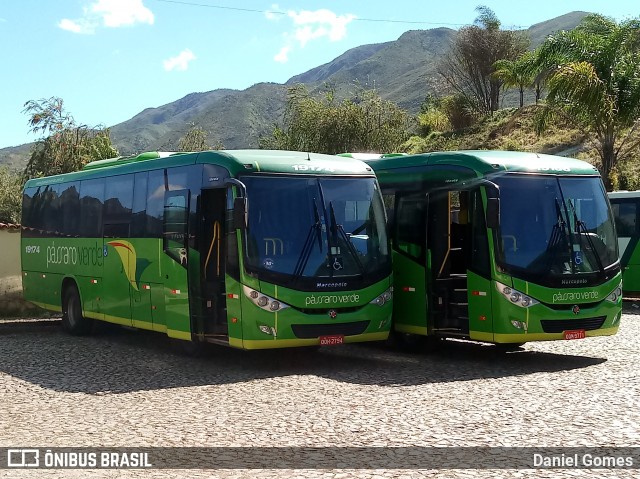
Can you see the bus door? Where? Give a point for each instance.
(446, 238)
(213, 321)
(460, 277)
(410, 264)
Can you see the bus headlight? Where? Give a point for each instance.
(383, 298)
(615, 294)
(515, 296)
(263, 301)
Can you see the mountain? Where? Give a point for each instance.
(403, 71)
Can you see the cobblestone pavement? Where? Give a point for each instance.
(127, 388)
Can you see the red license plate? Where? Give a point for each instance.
(575, 334)
(331, 340)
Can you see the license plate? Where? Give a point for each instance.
(575, 334)
(331, 340)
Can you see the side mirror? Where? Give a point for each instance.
(240, 213)
(493, 212)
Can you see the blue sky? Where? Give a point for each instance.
(110, 59)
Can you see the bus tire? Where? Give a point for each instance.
(72, 319)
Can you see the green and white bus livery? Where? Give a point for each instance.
(500, 247)
(250, 248)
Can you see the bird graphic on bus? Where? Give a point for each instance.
(133, 267)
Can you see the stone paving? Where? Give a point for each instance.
(123, 388)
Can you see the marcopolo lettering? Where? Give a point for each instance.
(331, 299)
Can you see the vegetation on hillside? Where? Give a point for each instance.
(469, 66)
(65, 146)
(10, 195)
(196, 139)
(325, 125)
(593, 79)
(591, 76)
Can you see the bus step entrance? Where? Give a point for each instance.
(451, 305)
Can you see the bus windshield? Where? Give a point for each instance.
(551, 227)
(316, 230)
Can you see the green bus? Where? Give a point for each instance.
(626, 208)
(250, 248)
(500, 247)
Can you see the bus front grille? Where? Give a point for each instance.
(307, 331)
(560, 325)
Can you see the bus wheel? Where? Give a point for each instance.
(72, 319)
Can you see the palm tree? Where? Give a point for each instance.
(516, 73)
(594, 81)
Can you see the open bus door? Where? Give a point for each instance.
(213, 254)
(460, 279)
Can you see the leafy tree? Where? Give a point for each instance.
(10, 195)
(594, 81)
(325, 125)
(65, 146)
(469, 66)
(196, 140)
(519, 73)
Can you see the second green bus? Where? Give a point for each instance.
(500, 247)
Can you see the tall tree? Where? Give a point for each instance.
(517, 73)
(10, 195)
(64, 146)
(196, 140)
(469, 66)
(326, 125)
(594, 81)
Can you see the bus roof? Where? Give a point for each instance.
(623, 194)
(236, 161)
(485, 162)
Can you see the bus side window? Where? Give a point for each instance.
(70, 209)
(479, 261)
(31, 224)
(410, 225)
(91, 203)
(117, 206)
(139, 208)
(51, 210)
(155, 199)
(175, 225)
(625, 215)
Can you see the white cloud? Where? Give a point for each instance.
(180, 62)
(312, 25)
(110, 14)
(318, 24)
(71, 26)
(283, 55)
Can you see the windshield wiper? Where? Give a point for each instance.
(557, 237)
(582, 231)
(336, 228)
(307, 247)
